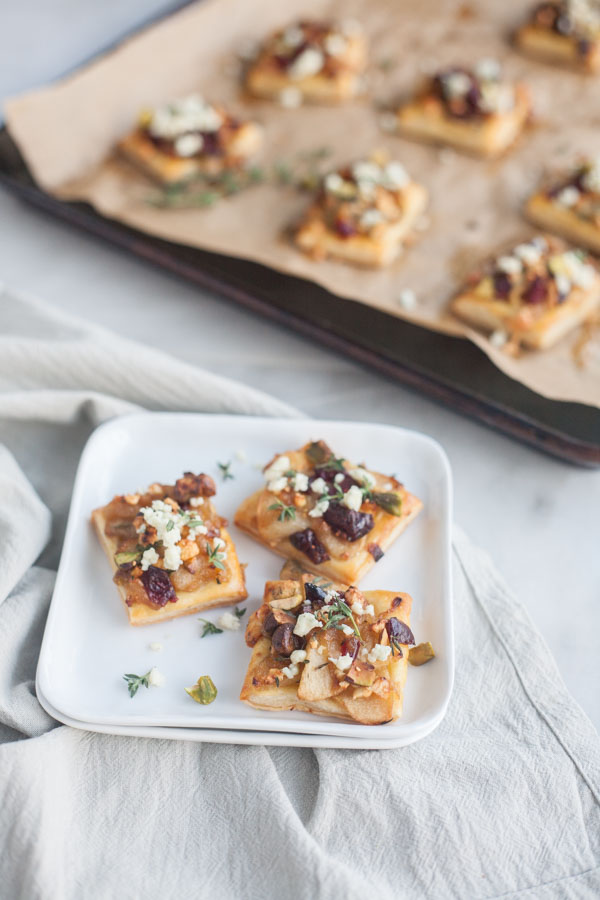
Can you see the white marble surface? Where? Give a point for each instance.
(538, 518)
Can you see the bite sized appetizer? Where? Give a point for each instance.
(190, 137)
(471, 109)
(563, 31)
(327, 513)
(570, 205)
(533, 295)
(362, 213)
(321, 62)
(331, 651)
(169, 550)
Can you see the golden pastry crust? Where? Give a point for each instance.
(569, 204)
(534, 310)
(341, 674)
(491, 134)
(229, 146)
(206, 585)
(336, 554)
(279, 66)
(563, 32)
(542, 211)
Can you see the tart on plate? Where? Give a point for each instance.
(362, 213)
(570, 205)
(189, 137)
(169, 550)
(327, 513)
(565, 32)
(329, 650)
(532, 295)
(321, 62)
(471, 109)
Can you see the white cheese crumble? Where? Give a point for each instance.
(496, 98)
(407, 299)
(300, 481)
(339, 477)
(498, 338)
(395, 176)
(155, 678)
(319, 486)
(342, 663)
(528, 254)
(488, 69)
(196, 501)
(229, 622)
(155, 646)
(305, 623)
(369, 609)
(290, 671)
(347, 629)
(293, 36)
(188, 144)
(298, 656)
(363, 477)
(357, 608)
(308, 63)
(509, 264)
(568, 196)
(187, 114)
(591, 179)
(579, 273)
(353, 498)
(320, 508)
(168, 530)
(380, 652)
(290, 98)
(335, 44)
(149, 558)
(457, 84)
(371, 217)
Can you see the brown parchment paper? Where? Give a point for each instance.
(66, 133)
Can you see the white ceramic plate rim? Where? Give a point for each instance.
(395, 733)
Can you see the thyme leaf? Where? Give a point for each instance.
(134, 682)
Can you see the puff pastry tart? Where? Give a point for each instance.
(563, 31)
(571, 205)
(534, 295)
(472, 109)
(321, 62)
(190, 137)
(362, 213)
(326, 513)
(329, 650)
(169, 550)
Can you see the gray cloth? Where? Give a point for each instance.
(501, 800)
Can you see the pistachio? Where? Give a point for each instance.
(421, 654)
(203, 691)
(389, 501)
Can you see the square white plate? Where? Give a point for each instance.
(88, 644)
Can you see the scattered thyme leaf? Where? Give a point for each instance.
(340, 610)
(225, 470)
(216, 556)
(239, 612)
(285, 512)
(170, 525)
(136, 681)
(209, 628)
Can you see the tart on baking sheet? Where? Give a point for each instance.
(320, 62)
(362, 213)
(329, 650)
(563, 31)
(472, 109)
(169, 550)
(533, 295)
(570, 206)
(190, 137)
(327, 513)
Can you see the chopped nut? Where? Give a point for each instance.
(132, 499)
(421, 654)
(188, 549)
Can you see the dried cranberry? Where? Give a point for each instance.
(211, 145)
(329, 474)
(308, 543)
(536, 290)
(399, 632)
(375, 551)
(345, 228)
(502, 285)
(350, 647)
(158, 586)
(315, 595)
(583, 47)
(348, 522)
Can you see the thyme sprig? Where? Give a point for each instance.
(224, 468)
(239, 612)
(209, 628)
(216, 556)
(134, 682)
(285, 512)
(340, 610)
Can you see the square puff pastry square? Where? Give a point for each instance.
(327, 513)
(362, 213)
(169, 550)
(321, 62)
(565, 32)
(310, 656)
(534, 295)
(571, 206)
(189, 137)
(472, 110)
